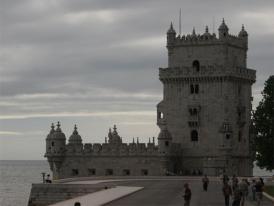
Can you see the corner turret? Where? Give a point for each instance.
(55, 151)
(243, 35)
(171, 35)
(75, 141)
(164, 140)
(48, 140)
(223, 30)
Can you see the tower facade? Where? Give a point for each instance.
(207, 100)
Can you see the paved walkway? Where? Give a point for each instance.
(101, 197)
(154, 192)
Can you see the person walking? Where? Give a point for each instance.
(205, 181)
(253, 189)
(234, 182)
(227, 191)
(187, 194)
(237, 196)
(243, 187)
(259, 192)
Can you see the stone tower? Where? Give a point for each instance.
(207, 100)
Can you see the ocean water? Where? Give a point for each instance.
(17, 176)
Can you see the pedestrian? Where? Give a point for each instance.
(227, 191)
(253, 189)
(225, 178)
(205, 181)
(259, 192)
(243, 187)
(237, 196)
(187, 194)
(234, 182)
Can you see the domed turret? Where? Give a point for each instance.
(75, 138)
(58, 141)
(223, 30)
(49, 138)
(164, 139)
(171, 34)
(58, 134)
(114, 137)
(243, 33)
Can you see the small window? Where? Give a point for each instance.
(144, 172)
(109, 172)
(192, 90)
(160, 115)
(239, 136)
(91, 171)
(52, 144)
(196, 65)
(167, 143)
(194, 136)
(126, 172)
(227, 136)
(75, 172)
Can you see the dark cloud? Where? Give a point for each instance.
(90, 56)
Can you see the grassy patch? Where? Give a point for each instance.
(269, 190)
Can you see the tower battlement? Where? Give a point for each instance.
(207, 38)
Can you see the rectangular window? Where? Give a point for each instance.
(91, 171)
(196, 88)
(75, 172)
(191, 89)
(109, 172)
(144, 172)
(126, 172)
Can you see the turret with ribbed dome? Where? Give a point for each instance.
(223, 30)
(75, 138)
(75, 142)
(243, 33)
(49, 138)
(55, 141)
(113, 137)
(164, 139)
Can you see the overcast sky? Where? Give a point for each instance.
(95, 63)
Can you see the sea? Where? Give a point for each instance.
(16, 177)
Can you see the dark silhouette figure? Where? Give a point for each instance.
(77, 204)
(227, 191)
(205, 181)
(187, 195)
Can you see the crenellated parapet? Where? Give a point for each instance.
(207, 38)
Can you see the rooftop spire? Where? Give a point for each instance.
(206, 29)
(52, 128)
(58, 127)
(75, 130)
(171, 29)
(193, 31)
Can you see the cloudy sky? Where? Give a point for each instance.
(95, 63)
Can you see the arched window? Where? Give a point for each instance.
(194, 135)
(196, 65)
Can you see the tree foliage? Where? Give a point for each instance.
(263, 120)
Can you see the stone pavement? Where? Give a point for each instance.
(101, 197)
(154, 192)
